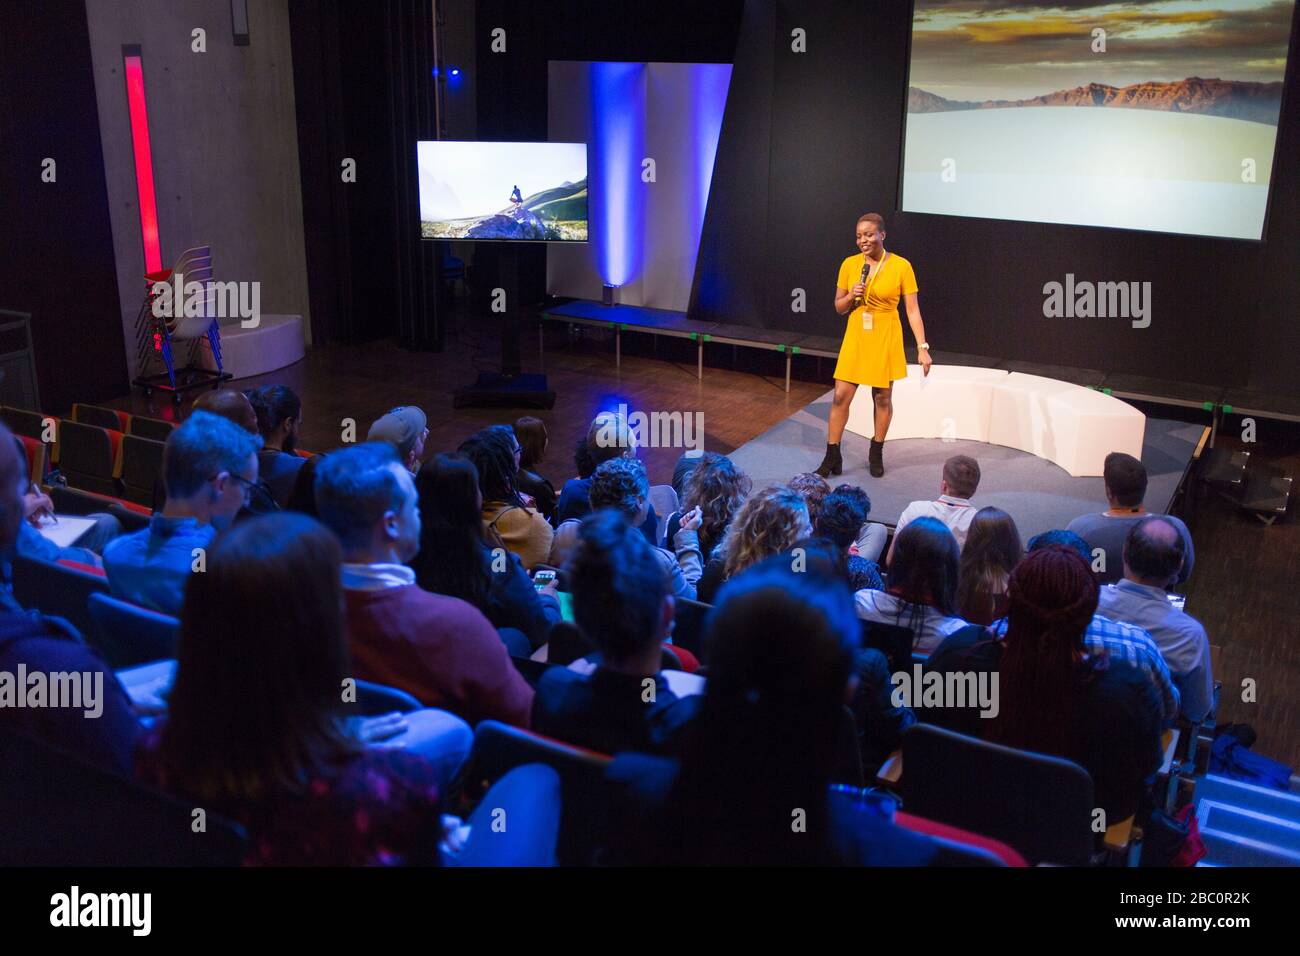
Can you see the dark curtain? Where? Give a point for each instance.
(364, 87)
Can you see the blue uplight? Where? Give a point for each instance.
(616, 147)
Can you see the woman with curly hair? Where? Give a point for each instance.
(717, 488)
(770, 522)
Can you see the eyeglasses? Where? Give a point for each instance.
(250, 487)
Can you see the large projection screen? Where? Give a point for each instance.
(514, 192)
(1158, 116)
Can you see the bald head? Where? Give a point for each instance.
(1153, 552)
(13, 474)
(231, 405)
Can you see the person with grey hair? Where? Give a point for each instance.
(209, 471)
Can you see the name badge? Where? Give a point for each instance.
(867, 321)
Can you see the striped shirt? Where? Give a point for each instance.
(1127, 643)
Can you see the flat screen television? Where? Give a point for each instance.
(1159, 116)
(504, 192)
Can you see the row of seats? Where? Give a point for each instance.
(98, 450)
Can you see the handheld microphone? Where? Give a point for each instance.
(866, 269)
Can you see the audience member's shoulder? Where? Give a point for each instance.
(972, 645)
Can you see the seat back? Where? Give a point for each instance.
(893, 640)
(1040, 805)
(499, 748)
(664, 500)
(689, 619)
(88, 455)
(155, 429)
(374, 699)
(37, 455)
(101, 417)
(567, 643)
(54, 589)
(21, 421)
(127, 635)
(142, 462)
(58, 810)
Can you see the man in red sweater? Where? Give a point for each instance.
(439, 649)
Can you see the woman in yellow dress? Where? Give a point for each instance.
(869, 288)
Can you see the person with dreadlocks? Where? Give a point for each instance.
(509, 519)
(1054, 696)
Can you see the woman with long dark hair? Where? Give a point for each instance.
(508, 519)
(754, 781)
(256, 729)
(718, 488)
(455, 559)
(922, 593)
(992, 549)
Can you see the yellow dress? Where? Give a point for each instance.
(875, 356)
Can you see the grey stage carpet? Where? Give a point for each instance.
(1036, 493)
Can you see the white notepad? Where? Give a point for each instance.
(66, 530)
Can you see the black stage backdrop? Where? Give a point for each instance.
(812, 140)
(56, 253)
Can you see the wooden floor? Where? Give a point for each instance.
(1246, 585)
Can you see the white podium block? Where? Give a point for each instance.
(1072, 426)
(275, 342)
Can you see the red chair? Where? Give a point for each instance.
(38, 458)
(155, 429)
(88, 456)
(111, 418)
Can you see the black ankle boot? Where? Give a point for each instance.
(832, 464)
(875, 458)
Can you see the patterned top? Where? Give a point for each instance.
(379, 808)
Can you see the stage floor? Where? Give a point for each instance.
(1039, 495)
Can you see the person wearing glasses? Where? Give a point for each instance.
(210, 474)
(870, 287)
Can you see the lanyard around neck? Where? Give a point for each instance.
(872, 277)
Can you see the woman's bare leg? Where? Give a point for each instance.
(884, 399)
(844, 392)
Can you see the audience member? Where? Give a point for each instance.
(922, 594)
(209, 467)
(814, 489)
(992, 550)
(621, 484)
(406, 428)
(768, 523)
(38, 509)
(607, 437)
(256, 729)
(103, 730)
(1125, 481)
(718, 488)
(279, 417)
(533, 441)
(508, 519)
(764, 744)
(1114, 638)
(439, 649)
(622, 601)
(1154, 552)
(454, 558)
(842, 518)
(1055, 697)
(231, 405)
(961, 478)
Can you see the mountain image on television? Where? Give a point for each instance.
(1162, 118)
(503, 191)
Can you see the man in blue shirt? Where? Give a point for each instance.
(1153, 554)
(1125, 481)
(209, 467)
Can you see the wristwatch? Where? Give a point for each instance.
(924, 345)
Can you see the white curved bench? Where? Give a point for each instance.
(277, 341)
(1073, 426)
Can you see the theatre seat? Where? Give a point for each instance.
(88, 456)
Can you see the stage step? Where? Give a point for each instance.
(1246, 825)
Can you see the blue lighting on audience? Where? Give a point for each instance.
(616, 147)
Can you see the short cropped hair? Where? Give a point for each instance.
(355, 486)
(201, 448)
(1126, 477)
(621, 484)
(1150, 558)
(618, 586)
(875, 217)
(962, 473)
